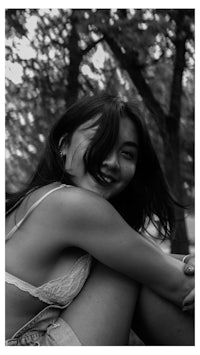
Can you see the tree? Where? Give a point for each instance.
(49, 83)
(147, 54)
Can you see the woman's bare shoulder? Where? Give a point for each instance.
(76, 213)
(74, 199)
(92, 224)
(66, 201)
(76, 206)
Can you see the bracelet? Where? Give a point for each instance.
(189, 256)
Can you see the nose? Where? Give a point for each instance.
(111, 161)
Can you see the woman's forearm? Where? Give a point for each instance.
(178, 256)
(146, 263)
(161, 272)
(164, 274)
(179, 284)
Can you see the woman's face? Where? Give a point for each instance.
(117, 169)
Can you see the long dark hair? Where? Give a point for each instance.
(146, 196)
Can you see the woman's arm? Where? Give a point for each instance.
(189, 269)
(188, 260)
(94, 225)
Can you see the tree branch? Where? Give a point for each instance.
(92, 45)
(129, 62)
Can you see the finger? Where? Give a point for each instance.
(189, 299)
(188, 308)
(191, 261)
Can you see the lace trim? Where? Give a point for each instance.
(24, 286)
(61, 290)
(65, 288)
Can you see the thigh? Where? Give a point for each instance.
(102, 313)
(159, 322)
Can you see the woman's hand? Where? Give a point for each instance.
(188, 303)
(189, 269)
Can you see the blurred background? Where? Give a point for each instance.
(54, 56)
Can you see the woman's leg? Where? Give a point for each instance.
(159, 322)
(102, 313)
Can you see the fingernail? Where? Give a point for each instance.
(187, 308)
(189, 268)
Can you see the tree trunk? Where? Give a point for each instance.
(76, 55)
(179, 245)
(172, 162)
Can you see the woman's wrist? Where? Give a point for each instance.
(184, 289)
(175, 285)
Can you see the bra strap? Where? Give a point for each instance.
(17, 225)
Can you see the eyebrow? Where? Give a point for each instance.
(131, 144)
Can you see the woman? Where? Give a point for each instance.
(96, 188)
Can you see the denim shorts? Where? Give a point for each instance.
(47, 328)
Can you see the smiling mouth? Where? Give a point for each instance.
(106, 180)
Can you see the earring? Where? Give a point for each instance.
(61, 154)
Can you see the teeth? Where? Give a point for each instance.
(107, 179)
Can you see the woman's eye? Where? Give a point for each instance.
(128, 155)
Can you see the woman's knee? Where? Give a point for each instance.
(160, 322)
(102, 312)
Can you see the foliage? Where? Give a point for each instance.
(39, 98)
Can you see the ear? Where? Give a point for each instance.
(63, 145)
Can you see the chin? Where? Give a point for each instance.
(101, 192)
(109, 194)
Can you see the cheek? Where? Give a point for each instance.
(69, 159)
(129, 172)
